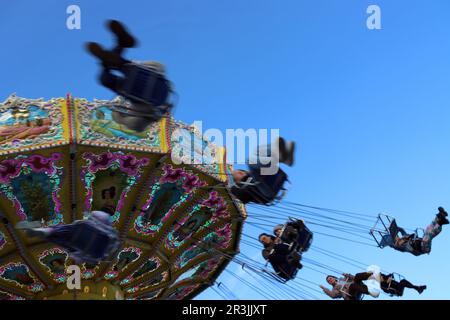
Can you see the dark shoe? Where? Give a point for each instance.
(443, 221)
(110, 60)
(421, 289)
(96, 50)
(286, 151)
(124, 38)
(290, 149)
(282, 149)
(443, 212)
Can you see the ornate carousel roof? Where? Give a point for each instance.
(66, 156)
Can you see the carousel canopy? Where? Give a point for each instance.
(60, 158)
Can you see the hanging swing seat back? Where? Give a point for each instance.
(384, 231)
(297, 235)
(268, 189)
(144, 85)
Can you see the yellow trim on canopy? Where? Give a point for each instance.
(163, 135)
(222, 164)
(66, 118)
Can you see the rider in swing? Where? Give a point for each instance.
(351, 287)
(264, 180)
(418, 246)
(142, 84)
(90, 241)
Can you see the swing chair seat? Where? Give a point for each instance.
(267, 190)
(145, 85)
(384, 231)
(297, 235)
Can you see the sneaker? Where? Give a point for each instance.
(286, 151)
(421, 289)
(441, 218)
(96, 50)
(443, 212)
(124, 38)
(290, 149)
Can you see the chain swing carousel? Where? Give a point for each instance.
(67, 156)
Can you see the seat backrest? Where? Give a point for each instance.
(266, 188)
(386, 241)
(393, 229)
(274, 183)
(303, 239)
(145, 85)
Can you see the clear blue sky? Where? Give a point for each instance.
(369, 109)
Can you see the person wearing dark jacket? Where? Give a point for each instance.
(396, 288)
(264, 179)
(283, 261)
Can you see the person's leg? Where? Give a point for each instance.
(359, 277)
(430, 233)
(402, 232)
(279, 264)
(406, 284)
(118, 50)
(280, 151)
(361, 287)
(277, 259)
(357, 289)
(124, 38)
(110, 59)
(110, 80)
